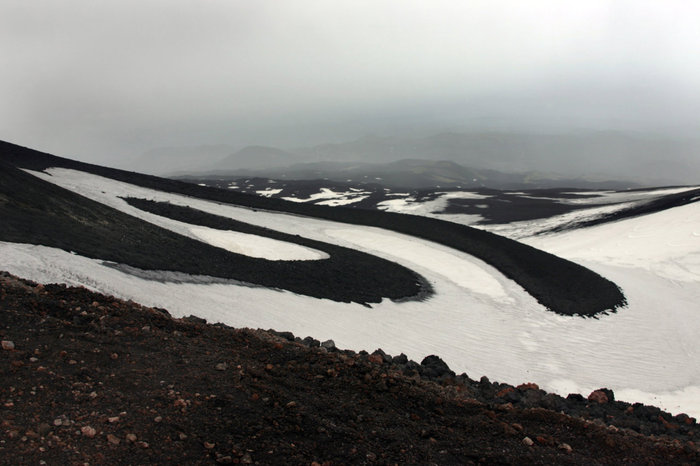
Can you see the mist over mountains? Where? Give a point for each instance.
(635, 158)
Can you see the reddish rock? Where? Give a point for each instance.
(668, 425)
(505, 391)
(685, 419)
(375, 358)
(528, 386)
(598, 396)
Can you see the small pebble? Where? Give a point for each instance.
(8, 345)
(44, 429)
(528, 441)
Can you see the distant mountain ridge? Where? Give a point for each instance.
(255, 157)
(179, 159)
(594, 156)
(654, 160)
(416, 174)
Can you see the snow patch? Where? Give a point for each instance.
(611, 197)
(666, 243)
(332, 198)
(269, 192)
(473, 275)
(528, 228)
(433, 208)
(342, 201)
(256, 246)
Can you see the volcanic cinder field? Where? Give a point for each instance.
(470, 313)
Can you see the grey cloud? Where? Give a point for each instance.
(106, 79)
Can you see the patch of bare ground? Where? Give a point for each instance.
(88, 378)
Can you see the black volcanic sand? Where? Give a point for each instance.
(503, 207)
(506, 207)
(37, 212)
(90, 378)
(500, 207)
(560, 285)
(653, 206)
(372, 193)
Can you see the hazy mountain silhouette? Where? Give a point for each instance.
(589, 156)
(417, 174)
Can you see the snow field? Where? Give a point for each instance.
(409, 205)
(233, 241)
(332, 198)
(255, 246)
(610, 197)
(478, 321)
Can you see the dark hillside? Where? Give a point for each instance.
(37, 212)
(655, 205)
(562, 286)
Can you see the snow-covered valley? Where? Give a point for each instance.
(478, 321)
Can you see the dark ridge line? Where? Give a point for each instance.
(559, 285)
(503, 206)
(668, 201)
(38, 212)
(194, 216)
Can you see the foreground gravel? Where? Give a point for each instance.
(88, 378)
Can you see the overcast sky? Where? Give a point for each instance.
(99, 79)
